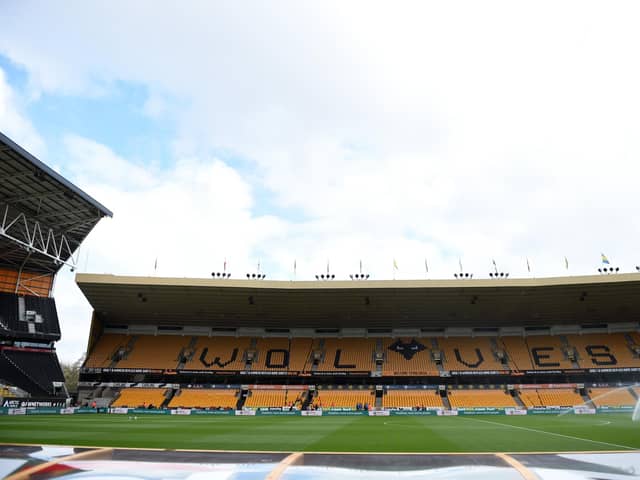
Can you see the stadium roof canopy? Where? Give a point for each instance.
(43, 216)
(365, 304)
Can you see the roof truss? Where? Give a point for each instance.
(29, 234)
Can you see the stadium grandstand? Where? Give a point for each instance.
(420, 345)
(43, 220)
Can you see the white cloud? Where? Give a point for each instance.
(13, 121)
(190, 218)
(92, 161)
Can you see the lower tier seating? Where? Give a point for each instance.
(31, 370)
(412, 398)
(480, 398)
(204, 398)
(551, 397)
(344, 398)
(611, 397)
(272, 398)
(140, 397)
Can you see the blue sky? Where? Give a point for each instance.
(115, 118)
(331, 131)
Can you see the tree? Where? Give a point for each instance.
(71, 373)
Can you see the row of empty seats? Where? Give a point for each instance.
(613, 347)
(560, 397)
(344, 398)
(412, 398)
(204, 398)
(407, 356)
(397, 398)
(216, 353)
(271, 398)
(161, 348)
(140, 397)
(106, 348)
(462, 353)
(480, 398)
(347, 353)
(611, 397)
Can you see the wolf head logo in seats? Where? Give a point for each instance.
(407, 350)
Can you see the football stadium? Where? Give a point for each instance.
(255, 378)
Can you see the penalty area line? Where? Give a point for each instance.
(552, 433)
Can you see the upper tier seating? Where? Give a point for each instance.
(219, 353)
(104, 349)
(204, 398)
(140, 397)
(348, 354)
(464, 353)
(517, 352)
(301, 349)
(412, 398)
(611, 397)
(603, 351)
(480, 398)
(547, 353)
(397, 356)
(408, 356)
(282, 354)
(164, 349)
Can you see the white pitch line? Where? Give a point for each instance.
(603, 423)
(553, 433)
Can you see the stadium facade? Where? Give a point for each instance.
(251, 344)
(225, 343)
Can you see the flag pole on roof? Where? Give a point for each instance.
(605, 260)
(566, 263)
(528, 266)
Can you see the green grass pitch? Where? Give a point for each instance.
(539, 433)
